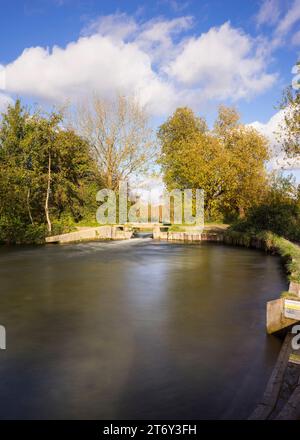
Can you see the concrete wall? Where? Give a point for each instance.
(90, 234)
(186, 236)
(276, 320)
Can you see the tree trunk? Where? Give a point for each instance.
(48, 195)
(241, 212)
(28, 206)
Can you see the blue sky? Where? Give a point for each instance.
(168, 52)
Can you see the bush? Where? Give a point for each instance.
(34, 234)
(62, 226)
(15, 231)
(281, 218)
(10, 229)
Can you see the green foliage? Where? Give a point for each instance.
(27, 143)
(14, 231)
(279, 213)
(289, 295)
(290, 252)
(282, 219)
(270, 242)
(238, 238)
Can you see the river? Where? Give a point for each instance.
(135, 330)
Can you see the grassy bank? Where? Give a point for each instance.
(270, 242)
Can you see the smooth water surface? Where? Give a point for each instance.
(135, 330)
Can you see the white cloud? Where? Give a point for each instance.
(271, 13)
(223, 63)
(177, 5)
(4, 101)
(119, 26)
(2, 78)
(271, 130)
(156, 37)
(91, 64)
(151, 188)
(296, 39)
(268, 13)
(290, 18)
(155, 60)
(4, 98)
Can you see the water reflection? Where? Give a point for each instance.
(135, 330)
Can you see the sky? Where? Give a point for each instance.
(168, 53)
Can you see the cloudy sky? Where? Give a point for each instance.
(168, 52)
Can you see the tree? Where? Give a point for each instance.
(119, 135)
(61, 166)
(290, 130)
(248, 152)
(281, 188)
(46, 170)
(227, 162)
(42, 148)
(191, 157)
(228, 119)
(278, 212)
(13, 164)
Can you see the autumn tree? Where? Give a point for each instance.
(227, 162)
(289, 134)
(119, 135)
(191, 157)
(248, 152)
(228, 119)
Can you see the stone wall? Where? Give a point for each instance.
(186, 236)
(92, 234)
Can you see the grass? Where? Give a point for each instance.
(290, 252)
(289, 295)
(207, 227)
(92, 223)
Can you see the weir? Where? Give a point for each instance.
(116, 232)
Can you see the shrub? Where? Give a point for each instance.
(15, 231)
(281, 218)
